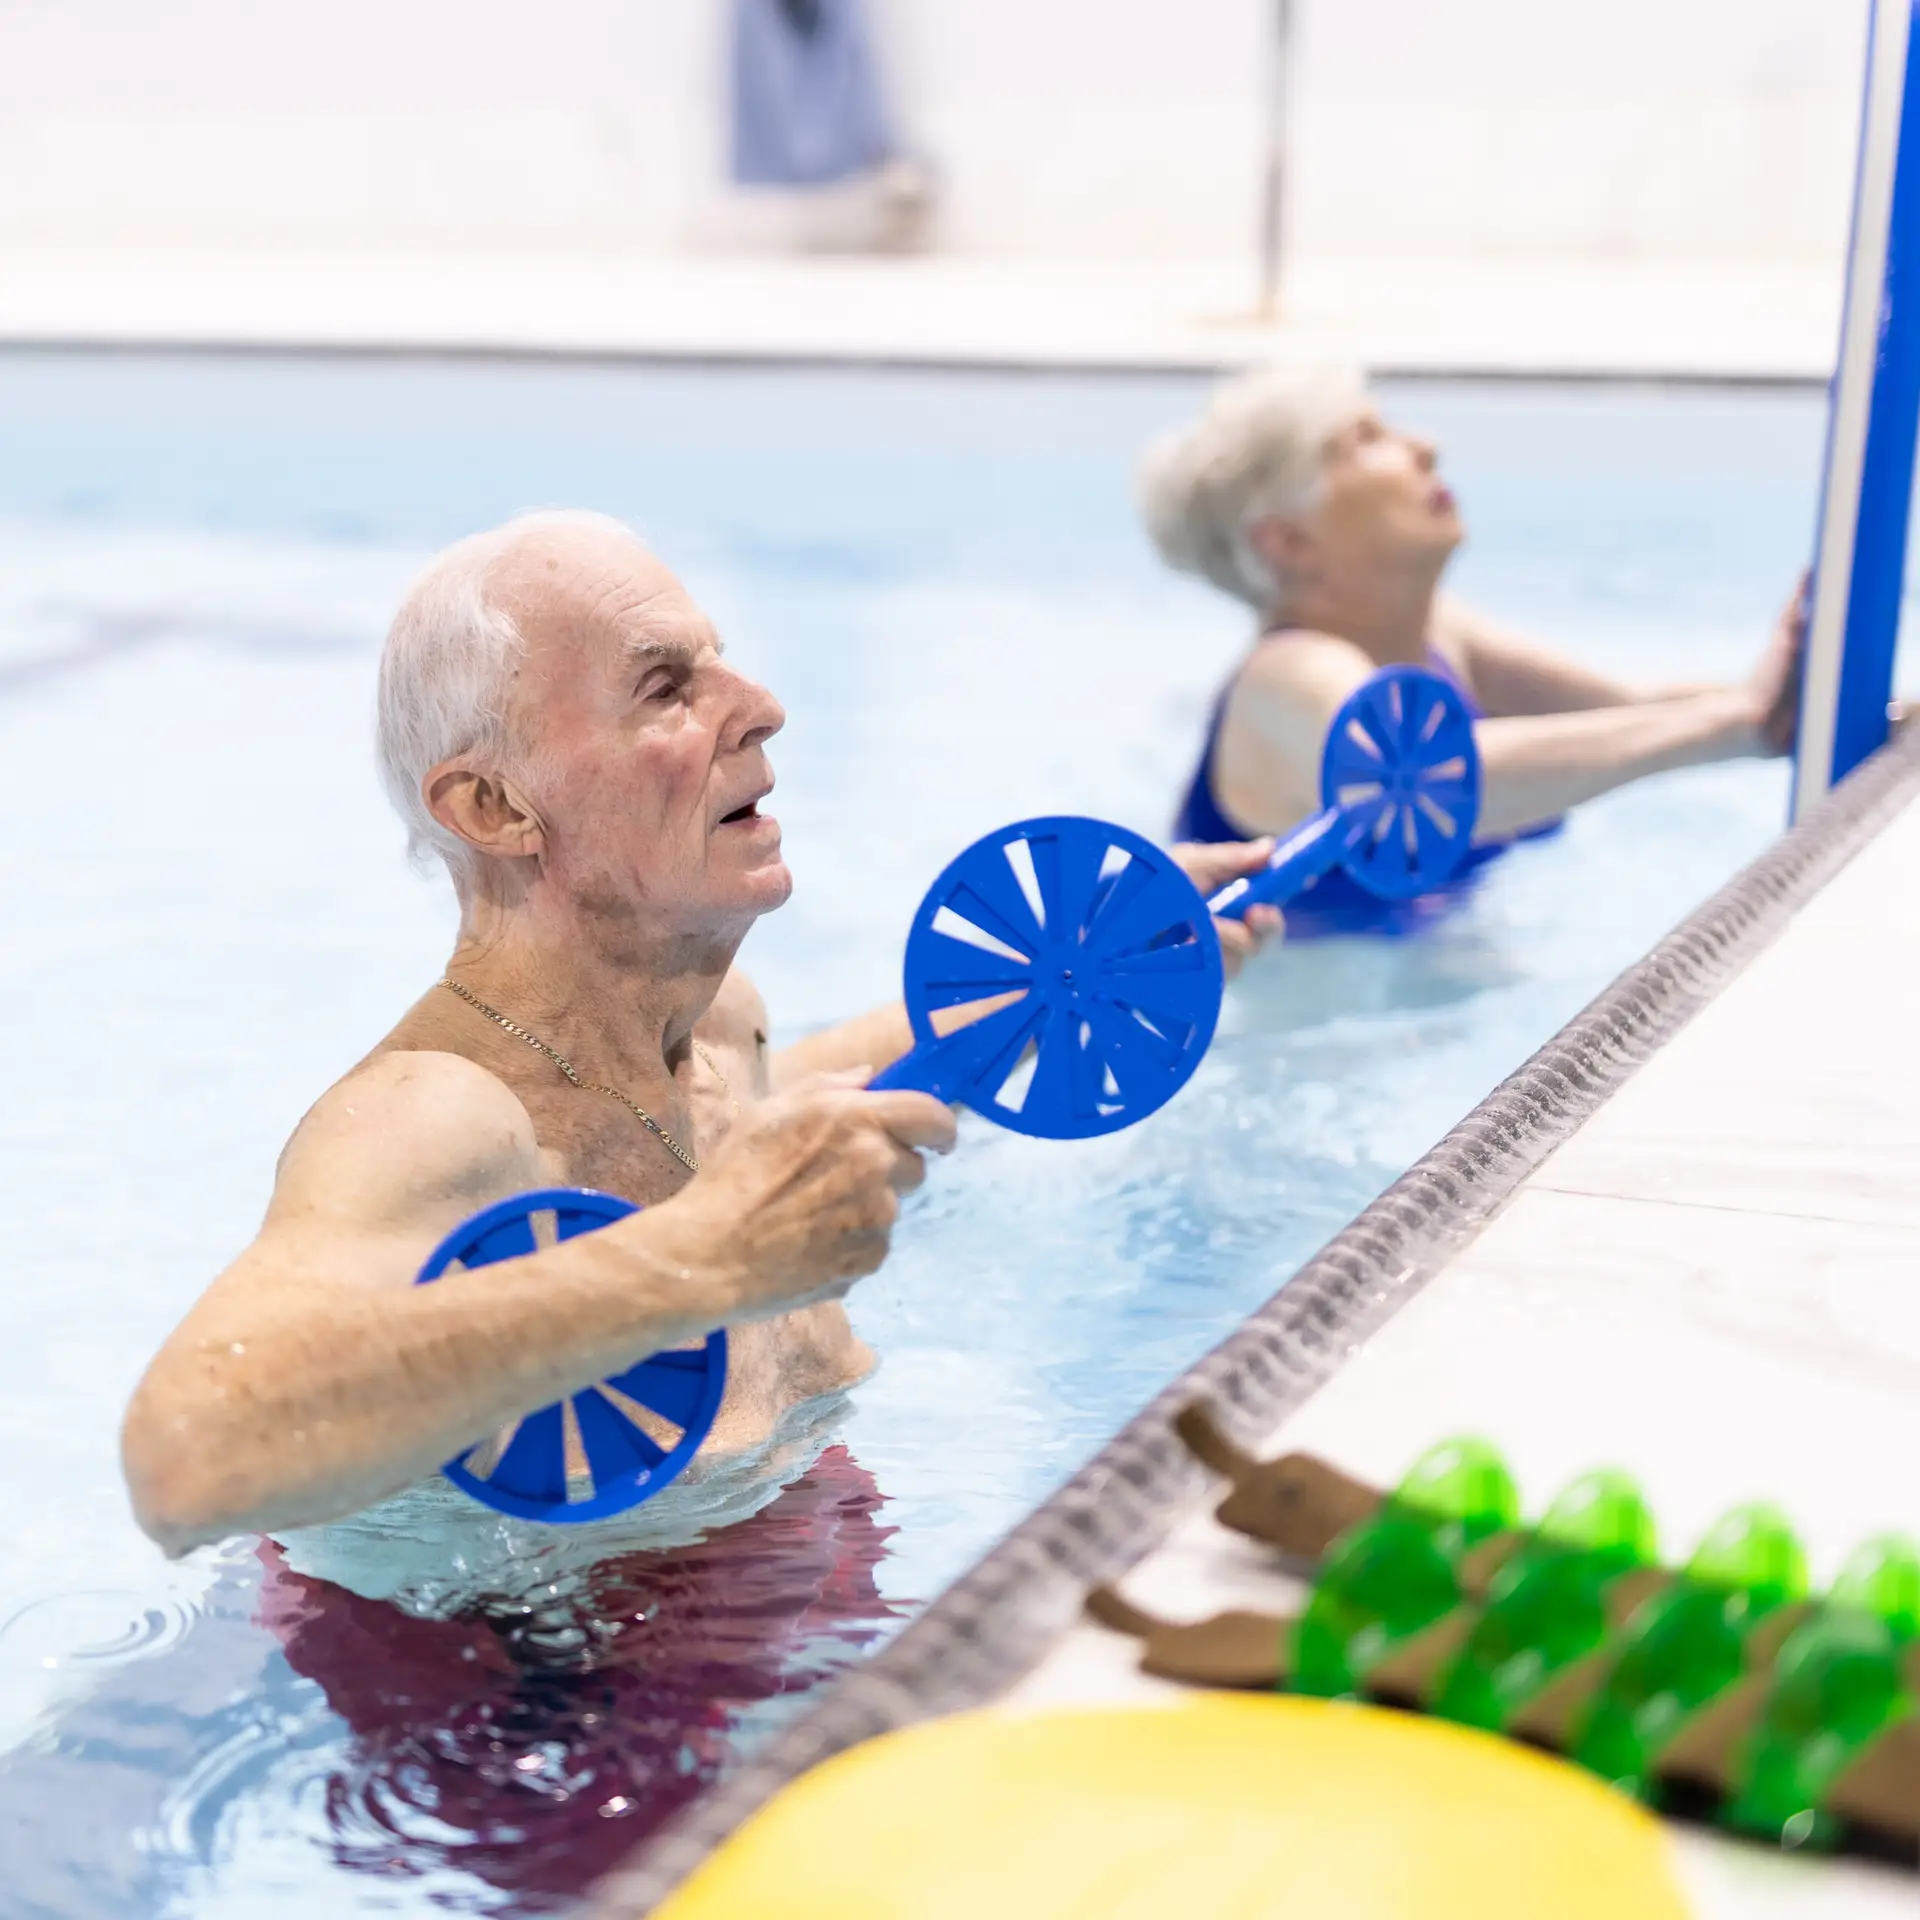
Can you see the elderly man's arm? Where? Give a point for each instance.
(874, 1040)
(879, 1038)
(314, 1378)
(738, 1021)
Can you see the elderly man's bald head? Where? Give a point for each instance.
(554, 708)
(458, 644)
(559, 568)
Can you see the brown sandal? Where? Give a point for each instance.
(1298, 1504)
(1246, 1650)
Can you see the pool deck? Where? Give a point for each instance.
(1683, 1240)
(1714, 1283)
(1499, 317)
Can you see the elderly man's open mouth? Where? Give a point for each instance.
(748, 812)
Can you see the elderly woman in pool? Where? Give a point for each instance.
(1292, 494)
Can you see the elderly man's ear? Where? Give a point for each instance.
(486, 810)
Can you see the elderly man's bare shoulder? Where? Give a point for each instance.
(408, 1133)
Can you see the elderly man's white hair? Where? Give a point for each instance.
(1255, 451)
(446, 673)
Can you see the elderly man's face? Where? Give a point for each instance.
(648, 749)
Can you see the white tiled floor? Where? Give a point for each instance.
(1715, 1284)
(1540, 316)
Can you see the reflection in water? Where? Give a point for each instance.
(511, 1753)
(537, 1744)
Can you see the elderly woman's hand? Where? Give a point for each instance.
(1210, 868)
(1775, 684)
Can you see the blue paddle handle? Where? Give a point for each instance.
(923, 1070)
(1299, 860)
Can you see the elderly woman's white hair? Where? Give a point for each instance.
(1255, 451)
(446, 675)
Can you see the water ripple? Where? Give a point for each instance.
(97, 1628)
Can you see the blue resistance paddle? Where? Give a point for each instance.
(1112, 953)
(1112, 957)
(1400, 784)
(620, 1441)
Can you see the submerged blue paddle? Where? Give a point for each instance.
(620, 1441)
(1400, 784)
(1114, 960)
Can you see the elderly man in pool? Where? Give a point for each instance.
(557, 721)
(1294, 496)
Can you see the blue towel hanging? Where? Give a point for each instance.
(807, 107)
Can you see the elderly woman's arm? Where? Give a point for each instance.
(1513, 676)
(1533, 767)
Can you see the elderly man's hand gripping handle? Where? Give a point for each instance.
(804, 1193)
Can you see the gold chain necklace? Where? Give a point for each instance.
(566, 1066)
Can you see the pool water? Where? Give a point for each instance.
(208, 917)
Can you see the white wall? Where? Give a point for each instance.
(1676, 127)
(1105, 128)
(371, 121)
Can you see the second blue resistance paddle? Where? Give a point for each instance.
(1400, 788)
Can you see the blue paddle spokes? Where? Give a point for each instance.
(1099, 948)
(1401, 765)
(618, 1442)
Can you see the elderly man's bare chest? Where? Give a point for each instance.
(590, 1139)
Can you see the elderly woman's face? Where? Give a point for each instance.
(1380, 499)
(650, 749)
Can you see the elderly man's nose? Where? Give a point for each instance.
(758, 716)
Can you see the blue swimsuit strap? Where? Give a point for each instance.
(1200, 816)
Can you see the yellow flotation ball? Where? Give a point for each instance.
(1217, 1807)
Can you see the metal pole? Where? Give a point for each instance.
(1273, 204)
(1860, 561)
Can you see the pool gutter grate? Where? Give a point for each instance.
(1002, 1616)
